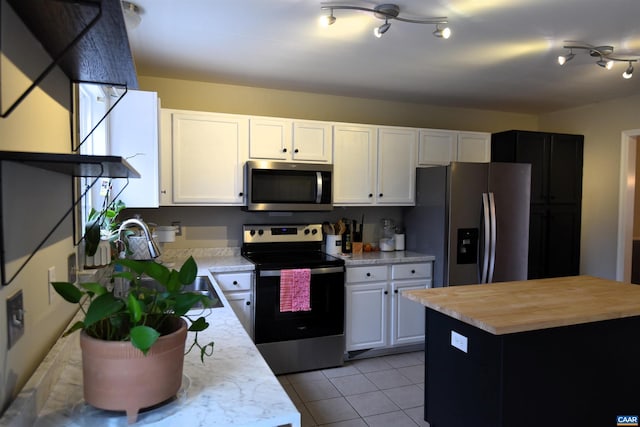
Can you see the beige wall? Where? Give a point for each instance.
(200, 96)
(602, 125)
(33, 200)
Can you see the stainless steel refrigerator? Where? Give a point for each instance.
(474, 217)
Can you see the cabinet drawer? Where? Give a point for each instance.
(234, 281)
(372, 273)
(410, 271)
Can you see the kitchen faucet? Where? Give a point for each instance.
(154, 251)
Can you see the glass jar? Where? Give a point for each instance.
(387, 238)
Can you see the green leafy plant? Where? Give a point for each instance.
(102, 224)
(142, 314)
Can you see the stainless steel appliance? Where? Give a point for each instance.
(282, 186)
(474, 217)
(293, 341)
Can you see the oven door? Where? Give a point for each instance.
(325, 318)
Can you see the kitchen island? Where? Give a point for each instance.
(551, 352)
(233, 387)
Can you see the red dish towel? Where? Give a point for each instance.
(295, 290)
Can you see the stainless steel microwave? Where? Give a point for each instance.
(282, 186)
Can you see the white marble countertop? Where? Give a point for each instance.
(234, 387)
(380, 257)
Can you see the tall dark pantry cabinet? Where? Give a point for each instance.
(556, 196)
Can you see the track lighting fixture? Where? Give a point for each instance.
(606, 58)
(629, 72)
(387, 12)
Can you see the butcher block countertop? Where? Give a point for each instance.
(511, 307)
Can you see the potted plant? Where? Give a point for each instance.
(133, 345)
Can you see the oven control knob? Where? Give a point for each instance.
(306, 231)
(314, 231)
(252, 232)
(260, 232)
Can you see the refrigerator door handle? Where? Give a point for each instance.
(485, 237)
(492, 255)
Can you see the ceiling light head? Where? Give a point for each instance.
(605, 63)
(563, 59)
(379, 31)
(629, 71)
(327, 20)
(443, 33)
(131, 13)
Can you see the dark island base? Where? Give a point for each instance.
(581, 375)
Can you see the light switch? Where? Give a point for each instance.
(459, 341)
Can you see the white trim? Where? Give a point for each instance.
(626, 204)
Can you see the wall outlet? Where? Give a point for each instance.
(459, 341)
(15, 318)
(51, 277)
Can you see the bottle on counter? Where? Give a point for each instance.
(347, 238)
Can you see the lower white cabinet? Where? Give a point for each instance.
(238, 289)
(377, 315)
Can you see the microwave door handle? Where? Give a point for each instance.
(319, 187)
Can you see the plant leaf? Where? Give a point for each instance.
(157, 271)
(198, 325)
(185, 301)
(135, 309)
(132, 264)
(94, 288)
(68, 291)
(91, 237)
(76, 326)
(101, 308)
(143, 337)
(188, 271)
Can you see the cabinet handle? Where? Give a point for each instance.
(248, 302)
(235, 282)
(395, 291)
(370, 195)
(295, 151)
(368, 274)
(163, 191)
(386, 292)
(413, 272)
(380, 195)
(240, 194)
(284, 150)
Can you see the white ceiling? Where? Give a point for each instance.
(501, 56)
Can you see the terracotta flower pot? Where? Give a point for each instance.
(119, 377)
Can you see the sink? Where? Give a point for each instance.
(201, 285)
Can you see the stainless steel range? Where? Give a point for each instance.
(298, 297)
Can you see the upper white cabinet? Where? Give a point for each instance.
(354, 164)
(374, 166)
(441, 147)
(133, 135)
(289, 140)
(202, 158)
(396, 166)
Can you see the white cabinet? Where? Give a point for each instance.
(289, 140)
(354, 164)
(441, 147)
(202, 158)
(373, 166)
(133, 135)
(377, 316)
(238, 289)
(396, 166)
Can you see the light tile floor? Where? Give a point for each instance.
(381, 391)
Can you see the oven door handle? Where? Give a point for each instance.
(321, 270)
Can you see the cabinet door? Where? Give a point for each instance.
(533, 147)
(537, 242)
(563, 245)
(312, 141)
(269, 138)
(407, 317)
(354, 164)
(565, 168)
(166, 158)
(396, 166)
(437, 147)
(242, 305)
(367, 316)
(474, 147)
(133, 134)
(208, 154)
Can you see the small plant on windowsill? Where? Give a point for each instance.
(143, 319)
